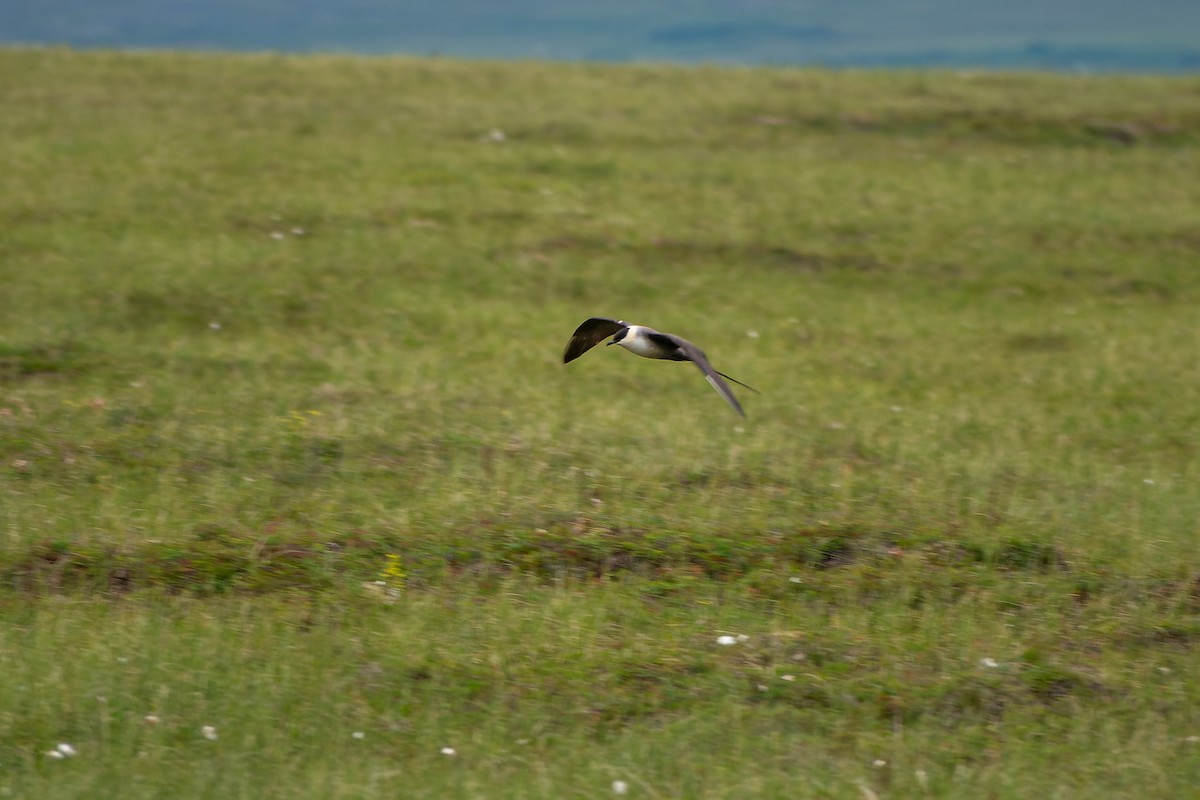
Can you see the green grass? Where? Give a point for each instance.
(275, 329)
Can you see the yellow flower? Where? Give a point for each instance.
(394, 571)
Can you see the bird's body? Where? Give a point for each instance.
(649, 343)
(638, 340)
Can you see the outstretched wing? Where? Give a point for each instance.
(714, 378)
(589, 334)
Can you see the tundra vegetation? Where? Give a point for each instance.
(297, 499)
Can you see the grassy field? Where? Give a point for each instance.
(295, 491)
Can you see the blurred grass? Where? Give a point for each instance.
(562, 690)
(268, 320)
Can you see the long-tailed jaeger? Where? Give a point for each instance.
(649, 343)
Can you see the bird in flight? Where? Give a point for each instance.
(649, 343)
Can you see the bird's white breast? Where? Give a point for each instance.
(636, 341)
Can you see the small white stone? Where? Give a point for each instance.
(65, 749)
(788, 678)
(990, 663)
(620, 787)
(879, 762)
(449, 751)
(726, 641)
(209, 732)
(358, 735)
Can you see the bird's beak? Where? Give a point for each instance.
(614, 341)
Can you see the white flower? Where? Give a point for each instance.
(209, 732)
(65, 749)
(726, 641)
(449, 751)
(620, 787)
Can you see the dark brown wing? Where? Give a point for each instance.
(589, 334)
(695, 355)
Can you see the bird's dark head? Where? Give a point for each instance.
(619, 336)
